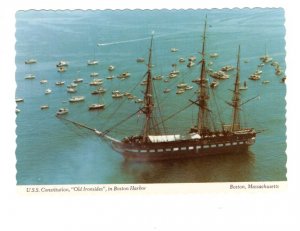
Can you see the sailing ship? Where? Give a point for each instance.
(154, 144)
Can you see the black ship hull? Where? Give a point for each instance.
(181, 149)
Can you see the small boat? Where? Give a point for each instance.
(188, 88)
(94, 74)
(43, 81)
(174, 49)
(244, 87)
(180, 91)
(62, 111)
(265, 59)
(124, 75)
(96, 106)
(278, 71)
(158, 77)
(76, 99)
(190, 64)
(283, 79)
(17, 110)
(43, 107)
(92, 62)
(62, 63)
(127, 94)
(227, 68)
(117, 94)
(258, 72)
(140, 60)
(219, 75)
(110, 77)
(192, 58)
(131, 97)
(265, 82)
(111, 68)
(19, 100)
(59, 83)
(254, 77)
(167, 90)
(174, 72)
(138, 101)
(99, 91)
(214, 84)
(96, 82)
(214, 55)
(144, 82)
(48, 91)
(71, 90)
(181, 60)
(72, 85)
(30, 76)
(261, 65)
(210, 63)
(275, 64)
(172, 75)
(30, 61)
(78, 80)
(182, 85)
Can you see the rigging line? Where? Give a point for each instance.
(77, 123)
(120, 122)
(250, 100)
(171, 116)
(123, 100)
(159, 110)
(218, 109)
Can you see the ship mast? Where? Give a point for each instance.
(148, 99)
(236, 97)
(202, 95)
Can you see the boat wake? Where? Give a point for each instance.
(121, 42)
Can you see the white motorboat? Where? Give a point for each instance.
(43, 107)
(19, 100)
(62, 63)
(62, 111)
(111, 68)
(59, 83)
(76, 99)
(117, 94)
(96, 106)
(94, 74)
(140, 60)
(92, 62)
(48, 91)
(43, 81)
(30, 61)
(78, 80)
(30, 76)
(227, 68)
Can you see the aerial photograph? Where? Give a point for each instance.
(150, 96)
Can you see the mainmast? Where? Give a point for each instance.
(148, 96)
(202, 123)
(236, 97)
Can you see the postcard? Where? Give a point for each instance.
(136, 101)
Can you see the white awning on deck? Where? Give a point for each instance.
(164, 138)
